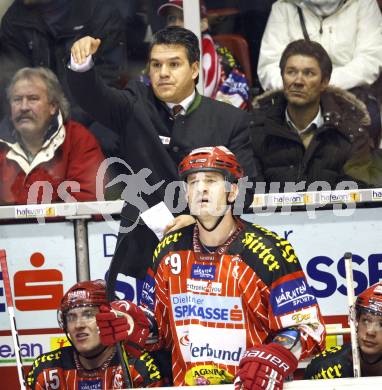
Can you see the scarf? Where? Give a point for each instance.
(324, 8)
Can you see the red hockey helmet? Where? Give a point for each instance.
(88, 293)
(370, 300)
(211, 158)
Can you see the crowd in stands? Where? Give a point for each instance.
(334, 134)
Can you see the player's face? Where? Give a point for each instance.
(302, 79)
(207, 194)
(172, 76)
(83, 330)
(370, 335)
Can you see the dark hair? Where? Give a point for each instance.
(178, 36)
(309, 49)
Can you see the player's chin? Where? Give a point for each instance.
(88, 351)
(370, 348)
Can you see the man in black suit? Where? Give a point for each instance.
(152, 136)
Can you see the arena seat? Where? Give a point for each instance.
(238, 46)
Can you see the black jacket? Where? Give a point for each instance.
(281, 155)
(143, 122)
(26, 36)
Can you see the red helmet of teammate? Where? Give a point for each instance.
(211, 158)
(89, 293)
(370, 300)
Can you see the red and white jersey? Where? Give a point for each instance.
(59, 370)
(210, 308)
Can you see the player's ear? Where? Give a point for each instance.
(234, 192)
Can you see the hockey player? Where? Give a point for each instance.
(337, 361)
(88, 363)
(227, 298)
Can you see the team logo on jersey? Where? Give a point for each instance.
(206, 344)
(184, 340)
(201, 271)
(331, 372)
(207, 375)
(208, 352)
(167, 241)
(235, 272)
(151, 366)
(90, 384)
(78, 295)
(305, 316)
(118, 380)
(291, 295)
(287, 251)
(207, 308)
(204, 286)
(256, 245)
(148, 292)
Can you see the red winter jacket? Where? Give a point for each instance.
(70, 154)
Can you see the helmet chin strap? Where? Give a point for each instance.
(216, 224)
(371, 363)
(82, 355)
(95, 355)
(219, 220)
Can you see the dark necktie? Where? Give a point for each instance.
(176, 110)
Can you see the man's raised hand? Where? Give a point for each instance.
(83, 48)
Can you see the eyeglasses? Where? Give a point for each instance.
(84, 315)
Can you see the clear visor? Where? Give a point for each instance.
(84, 315)
(370, 323)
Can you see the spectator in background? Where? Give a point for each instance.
(349, 30)
(39, 143)
(308, 131)
(222, 78)
(41, 33)
(336, 362)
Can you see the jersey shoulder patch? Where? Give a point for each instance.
(334, 362)
(174, 241)
(268, 254)
(56, 358)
